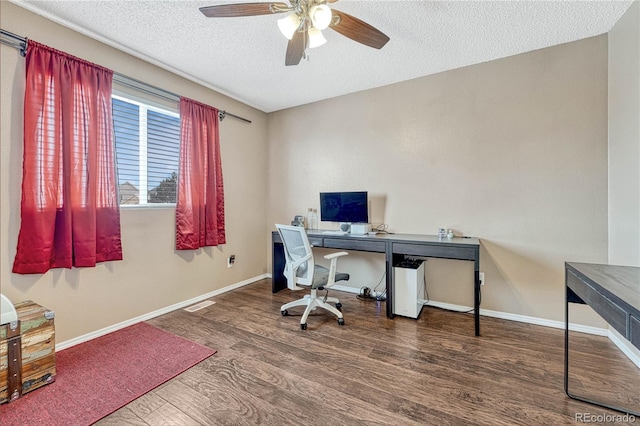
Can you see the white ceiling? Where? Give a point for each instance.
(244, 57)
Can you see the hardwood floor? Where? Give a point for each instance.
(431, 371)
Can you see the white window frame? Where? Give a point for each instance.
(143, 107)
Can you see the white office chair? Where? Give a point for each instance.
(300, 269)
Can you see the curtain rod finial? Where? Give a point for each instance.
(222, 115)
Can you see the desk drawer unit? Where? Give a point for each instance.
(356, 244)
(27, 355)
(634, 331)
(429, 250)
(612, 313)
(316, 241)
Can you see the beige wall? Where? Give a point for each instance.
(152, 275)
(624, 139)
(512, 151)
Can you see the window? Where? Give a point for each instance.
(147, 150)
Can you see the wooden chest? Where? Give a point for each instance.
(27, 352)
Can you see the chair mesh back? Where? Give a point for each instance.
(295, 245)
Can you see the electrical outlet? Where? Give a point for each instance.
(231, 260)
(481, 278)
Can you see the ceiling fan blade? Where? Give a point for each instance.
(243, 9)
(295, 48)
(358, 30)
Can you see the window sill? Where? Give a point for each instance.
(147, 206)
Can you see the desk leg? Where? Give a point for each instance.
(389, 281)
(570, 295)
(566, 342)
(476, 300)
(278, 280)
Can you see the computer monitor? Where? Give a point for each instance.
(352, 207)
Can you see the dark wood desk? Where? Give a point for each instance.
(614, 293)
(395, 247)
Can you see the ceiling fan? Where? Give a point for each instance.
(303, 26)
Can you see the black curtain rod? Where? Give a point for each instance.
(15, 41)
(20, 43)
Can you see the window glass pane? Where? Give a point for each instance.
(163, 147)
(127, 133)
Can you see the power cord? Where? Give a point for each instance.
(382, 296)
(382, 229)
(426, 292)
(451, 310)
(367, 294)
(428, 299)
(380, 282)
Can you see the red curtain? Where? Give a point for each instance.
(69, 209)
(200, 206)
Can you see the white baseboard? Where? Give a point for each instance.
(623, 344)
(503, 315)
(156, 313)
(345, 288)
(524, 318)
(497, 314)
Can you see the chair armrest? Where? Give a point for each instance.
(300, 261)
(332, 268)
(291, 269)
(336, 255)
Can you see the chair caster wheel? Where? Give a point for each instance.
(341, 321)
(338, 305)
(284, 313)
(303, 326)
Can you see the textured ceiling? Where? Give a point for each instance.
(244, 57)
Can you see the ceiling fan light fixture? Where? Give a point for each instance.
(289, 25)
(315, 38)
(304, 23)
(320, 16)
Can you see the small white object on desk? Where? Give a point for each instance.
(335, 232)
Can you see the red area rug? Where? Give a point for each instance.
(98, 377)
